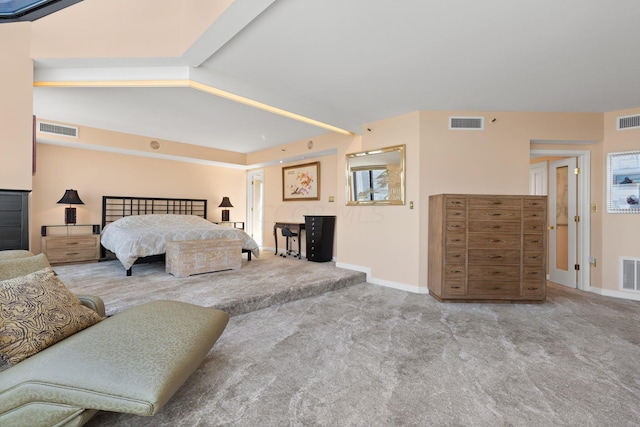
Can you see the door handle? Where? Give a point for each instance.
(551, 227)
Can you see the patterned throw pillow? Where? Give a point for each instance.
(37, 311)
(16, 267)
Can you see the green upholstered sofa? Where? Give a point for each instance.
(132, 362)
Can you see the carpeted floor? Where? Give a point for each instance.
(260, 283)
(365, 355)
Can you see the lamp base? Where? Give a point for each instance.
(225, 215)
(69, 216)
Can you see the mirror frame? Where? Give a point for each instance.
(350, 169)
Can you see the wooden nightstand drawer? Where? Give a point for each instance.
(62, 249)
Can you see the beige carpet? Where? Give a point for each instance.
(364, 355)
(260, 283)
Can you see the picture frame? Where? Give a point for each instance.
(623, 182)
(301, 182)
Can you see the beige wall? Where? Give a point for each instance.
(16, 107)
(619, 230)
(95, 174)
(124, 28)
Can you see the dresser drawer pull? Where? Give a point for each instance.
(456, 202)
(455, 226)
(456, 213)
(455, 287)
(533, 241)
(532, 273)
(495, 203)
(533, 257)
(455, 271)
(495, 273)
(494, 256)
(456, 256)
(532, 288)
(534, 227)
(456, 240)
(495, 214)
(71, 243)
(72, 253)
(494, 240)
(495, 227)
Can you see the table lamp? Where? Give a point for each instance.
(70, 198)
(225, 204)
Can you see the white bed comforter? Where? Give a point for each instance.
(138, 236)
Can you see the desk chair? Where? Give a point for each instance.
(291, 236)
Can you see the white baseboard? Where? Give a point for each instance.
(633, 296)
(382, 282)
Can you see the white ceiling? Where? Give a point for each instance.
(350, 62)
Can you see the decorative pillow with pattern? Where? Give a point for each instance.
(16, 267)
(37, 311)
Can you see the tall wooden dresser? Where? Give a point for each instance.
(487, 248)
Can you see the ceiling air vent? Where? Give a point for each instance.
(466, 123)
(628, 122)
(58, 129)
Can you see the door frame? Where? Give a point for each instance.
(583, 210)
(250, 207)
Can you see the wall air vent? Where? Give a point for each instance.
(466, 123)
(58, 129)
(628, 122)
(630, 274)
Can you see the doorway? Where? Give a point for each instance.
(570, 266)
(255, 206)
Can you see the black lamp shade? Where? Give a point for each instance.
(70, 198)
(226, 203)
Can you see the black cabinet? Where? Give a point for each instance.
(14, 219)
(319, 230)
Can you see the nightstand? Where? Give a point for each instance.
(234, 224)
(81, 243)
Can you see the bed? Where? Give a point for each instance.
(136, 229)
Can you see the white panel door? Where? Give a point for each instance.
(563, 186)
(538, 173)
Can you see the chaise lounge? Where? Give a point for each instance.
(132, 362)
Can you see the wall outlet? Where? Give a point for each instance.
(331, 199)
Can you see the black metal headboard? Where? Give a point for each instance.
(116, 207)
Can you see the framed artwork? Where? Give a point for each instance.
(301, 182)
(623, 182)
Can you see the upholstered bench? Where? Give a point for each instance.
(187, 257)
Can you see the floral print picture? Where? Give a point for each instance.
(301, 182)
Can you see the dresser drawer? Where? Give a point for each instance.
(494, 241)
(533, 289)
(455, 256)
(533, 274)
(453, 272)
(493, 289)
(533, 226)
(533, 242)
(533, 214)
(455, 202)
(454, 287)
(495, 272)
(455, 239)
(533, 258)
(494, 226)
(493, 202)
(455, 214)
(497, 214)
(493, 257)
(534, 203)
(456, 226)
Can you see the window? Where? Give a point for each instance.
(371, 184)
(30, 10)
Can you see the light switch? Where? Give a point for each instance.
(411, 205)
(331, 199)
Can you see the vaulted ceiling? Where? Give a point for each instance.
(345, 63)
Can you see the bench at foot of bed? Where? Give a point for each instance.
(189, 257)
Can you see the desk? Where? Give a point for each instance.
(295, 227)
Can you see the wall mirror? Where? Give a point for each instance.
(376, 177)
